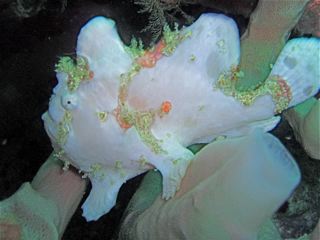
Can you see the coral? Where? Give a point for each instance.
(161, 12)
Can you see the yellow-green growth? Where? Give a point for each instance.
(172, 38)
(103, 116)
(176, 161)
(66, 165)
(58, 155)
(118, 166)
(96, 170)
(142, 161)
(126, 78)
(64, 128)
(96, 167)
(142, 121)
(280, 92)
(77, 70)
(135, 49)
(274, 86)
(192, 58)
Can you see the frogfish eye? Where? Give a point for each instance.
(69, 101)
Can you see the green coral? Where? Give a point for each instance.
(77, 70)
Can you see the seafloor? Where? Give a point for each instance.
(29, 48)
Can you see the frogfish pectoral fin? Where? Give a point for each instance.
(103, 194)
(173, 166)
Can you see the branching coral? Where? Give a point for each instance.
(161, 12)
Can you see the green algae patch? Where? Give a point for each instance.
(64, 128)
(96, 171)
(135, 49)
(142, 121)
(274, 86)
(172, 39)
(103, 116)
(77, 70)
(125, 80)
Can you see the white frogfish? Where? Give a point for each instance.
(119, 110)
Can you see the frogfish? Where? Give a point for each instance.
(120, 110)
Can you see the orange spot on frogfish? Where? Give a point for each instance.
(122, 123)
(166, 107)
(150, 58)
(91, 75)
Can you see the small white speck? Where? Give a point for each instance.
(222, 46)
(4, 142)
(221, 43)
(66, 166)
(288, 137)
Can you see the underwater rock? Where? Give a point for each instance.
(119, 111)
